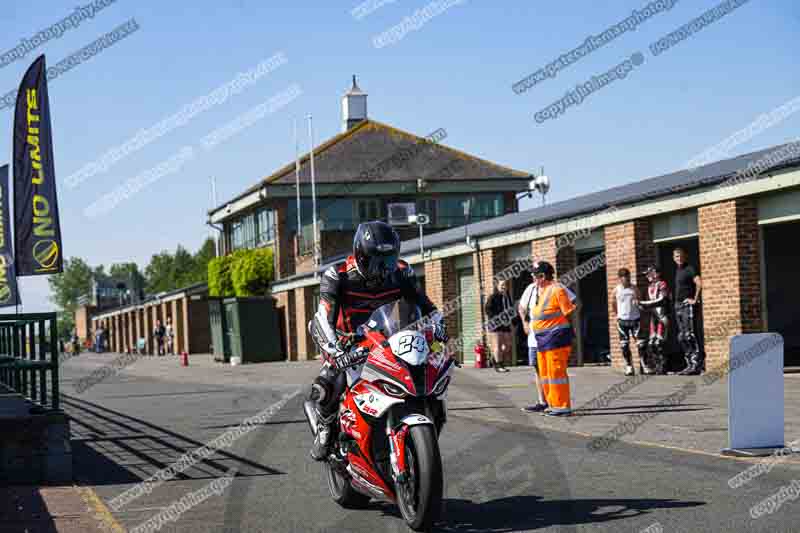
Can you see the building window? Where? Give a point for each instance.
(368, 209)
(265, 219)
(249, 223)
(487, 206)
(254, 229)
(237, 235)
(450, 210)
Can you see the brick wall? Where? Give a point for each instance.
(288, 314)
(627, 245)
(441, 287)
(285, 249)
(304, 303)
(563, 259)
(730, 255)
(492, 262)
(83, 321)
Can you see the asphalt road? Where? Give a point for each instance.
(503, 472)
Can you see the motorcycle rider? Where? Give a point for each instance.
(349, 292)
(658, 304)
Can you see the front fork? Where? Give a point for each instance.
(396, 433)
(397, 450)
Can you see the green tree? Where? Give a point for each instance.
(160, 273)
(65, 289)
(129, 274)
(183, 268)
(204, 255)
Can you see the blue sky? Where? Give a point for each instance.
(453, 72)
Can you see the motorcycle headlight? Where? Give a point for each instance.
(392, 390)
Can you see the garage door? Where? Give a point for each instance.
(469, 316)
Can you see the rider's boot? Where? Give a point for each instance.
(322, 440)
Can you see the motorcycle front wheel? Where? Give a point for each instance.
(420, 497)
(341, 491)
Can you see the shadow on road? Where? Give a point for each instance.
(268, 423)
(110, 448)
(594, 412)
(522, 513)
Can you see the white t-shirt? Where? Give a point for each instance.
(626, 307)
(528, 302)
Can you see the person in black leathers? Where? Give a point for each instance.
(349, 292)
(658, 304)
(688, 286)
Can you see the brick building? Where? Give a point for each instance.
(187, 307)
(369, 171)
(736, 218)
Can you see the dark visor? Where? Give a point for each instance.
(381, 265)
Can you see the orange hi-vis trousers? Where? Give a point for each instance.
(553, 377)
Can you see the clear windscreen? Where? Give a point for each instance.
(394, 317)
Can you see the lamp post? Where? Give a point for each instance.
(420, 220)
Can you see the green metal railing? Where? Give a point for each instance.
(29, 356)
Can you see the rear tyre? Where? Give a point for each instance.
(341, 490)
(420, 498)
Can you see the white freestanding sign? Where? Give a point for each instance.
(755, 391)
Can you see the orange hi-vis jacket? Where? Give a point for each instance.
(549, 321)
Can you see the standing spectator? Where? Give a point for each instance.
(688, 286)
(554, 336)
(498, 327)
(625, 305)
(525, 310)
(159, 332)
(76, 342)
(658, 304)
(98, 339)
(170, 336)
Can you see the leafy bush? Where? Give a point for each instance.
(252, 271)
(220, 282)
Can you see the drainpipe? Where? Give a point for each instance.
(221, 236)
(475, 246)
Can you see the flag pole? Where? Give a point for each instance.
(313, 192)
(297, 182)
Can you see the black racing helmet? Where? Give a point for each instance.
(376, 247)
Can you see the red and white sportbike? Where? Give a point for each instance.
(390, 417)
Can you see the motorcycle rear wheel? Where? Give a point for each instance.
(341, 491)
(420, 498)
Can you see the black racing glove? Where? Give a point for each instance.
(352, 357)
(440, 332)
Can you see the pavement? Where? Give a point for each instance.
(506, 470)
(50, 509)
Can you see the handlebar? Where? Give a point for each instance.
(351, 358)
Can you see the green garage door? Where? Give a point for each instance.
(469, 316)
